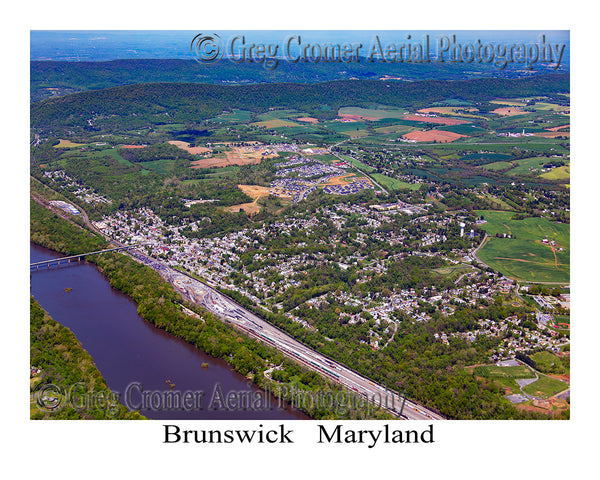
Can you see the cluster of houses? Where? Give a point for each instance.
(217, 260)
(83, 193)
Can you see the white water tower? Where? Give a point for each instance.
(462, 229)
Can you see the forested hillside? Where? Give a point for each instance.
(162, 103)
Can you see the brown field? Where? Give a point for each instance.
(433, 135)
(250, 208)
(342, 179)
(355, 118)
(552, 134)
(186, 146)
(556, 129)
(132, 146)
(452, 111)
(308, 119)
(237, 156)
(438, 120)
(254, 191)
(550, 406)
(508, 111)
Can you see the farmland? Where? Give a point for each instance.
(264, 190)
(432, 136)
(524, 256)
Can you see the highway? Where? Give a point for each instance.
(227, 309)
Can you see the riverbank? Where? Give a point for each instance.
(159, 304)
(62, 370)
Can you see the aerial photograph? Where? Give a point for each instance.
(299, 225)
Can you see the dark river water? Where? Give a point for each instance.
(137, 359)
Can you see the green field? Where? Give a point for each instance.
(393, 183)
(496, 202)
(116, 155)
(549, 363)
(493, 371)
(526, 163)
(365, 168)
(497, 166)
(505, 376)
(238, 116)
(160, 166)
(524, 257)
(559, 173)
(546, 387)
(453, 272)
(400, 129)
(345, 127)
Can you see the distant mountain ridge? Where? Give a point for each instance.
(52, 78)
(161, 103)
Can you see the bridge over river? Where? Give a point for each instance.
(66, 260)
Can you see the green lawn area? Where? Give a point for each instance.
(345, 127)
(493, 371)
(546, 387)
(524, 256)
(113, 152)
(238, 116)
(526, 163)
(399, 129)
(497, 166)
(453, 272)
(393, 183)
(356, 133)
(159, 166)
(496, 202)
(545, 107)
(365, 168)
(505, 376)
(549, 363)
(559, 173)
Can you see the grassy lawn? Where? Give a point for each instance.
(115, 154)
(548, 362)
(504, 376)
(159, 166)
(526, 163)
(393, 183)
(493, 371)
(496, 202)
(559, 173)
(365, 168)
(238, 116)
(453, 272)
(497, 166)
(546, 387)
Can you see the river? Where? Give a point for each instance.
(137, 359)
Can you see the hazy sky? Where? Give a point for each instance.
(114, 44)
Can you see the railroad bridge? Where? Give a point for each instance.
(67, 260)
